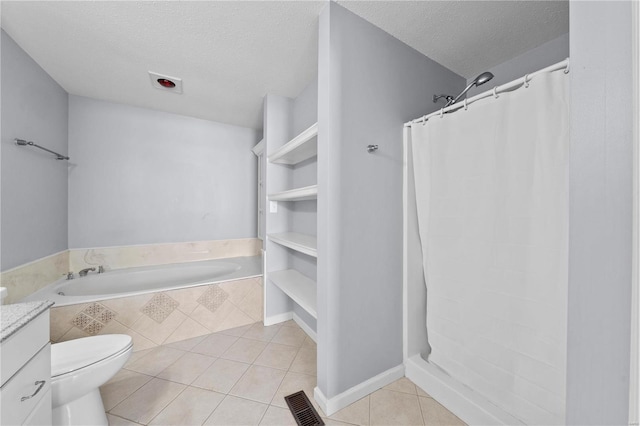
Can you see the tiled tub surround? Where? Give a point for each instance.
(240, 377)
(26, 279)
(165, 317)
(160, 254)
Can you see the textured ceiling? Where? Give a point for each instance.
(468, 37)
(230, 54)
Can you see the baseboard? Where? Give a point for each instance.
(351, 395)
(277, 319)
(457, 398)
(305, 327)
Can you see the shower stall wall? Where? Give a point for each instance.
(486, 229)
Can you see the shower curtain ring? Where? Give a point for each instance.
(566, 70)
(495, 94)
(526, 80)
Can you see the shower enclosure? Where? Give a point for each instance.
(486, 252)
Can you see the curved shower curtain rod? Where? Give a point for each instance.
(523, 81)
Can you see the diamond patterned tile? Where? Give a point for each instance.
(94, 327)
(94, 309)
(105, 316)
(213, 298)
(81, 320)
(159, 307)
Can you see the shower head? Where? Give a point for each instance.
(478, 81)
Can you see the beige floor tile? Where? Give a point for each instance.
(148, 401)
(119, 421)
(221, 376)
(137, 355)
(237, 411)
(214, 344)
(186, 369)
(294, 382)
(121, 386)
(186, 345)
(276, 416)
(331, 422)
(394, 408)
(156, 360)
(290, 323)
(309, 344)
(236, 331)
(258, 384)
(244, 350)
(187, 330)
(289, 335)
(305, 362)
(402, 385)
(277, 356)
(191, 407)
(435, 414)
(356, 413)
(422, 392)
(259, 332)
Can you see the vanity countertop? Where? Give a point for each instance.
(14, 317)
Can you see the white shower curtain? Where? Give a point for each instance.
(492, 198)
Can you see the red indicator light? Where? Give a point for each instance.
(166, 83)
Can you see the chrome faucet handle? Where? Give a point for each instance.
(70, 275)
(100, 269)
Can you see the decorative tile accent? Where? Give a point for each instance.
(159, 307)
(213, 298)
(93, 318)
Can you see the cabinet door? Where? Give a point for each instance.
(41, 415)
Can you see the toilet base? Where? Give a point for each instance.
(87, 410)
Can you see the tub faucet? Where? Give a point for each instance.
(85, 271)
(100, 269)
(69, 275)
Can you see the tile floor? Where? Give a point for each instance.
(239, 377)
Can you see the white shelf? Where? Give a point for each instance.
(299, 288)
(298, 194)
(298, 149)
(303, 243)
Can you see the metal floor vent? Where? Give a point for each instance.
(302, 410)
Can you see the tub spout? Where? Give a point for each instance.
(85, 271)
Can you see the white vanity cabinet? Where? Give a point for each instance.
(25, 373)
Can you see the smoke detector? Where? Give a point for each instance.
(166, 82)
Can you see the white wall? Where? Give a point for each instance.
(141, 176)
(546, 54)
(600, 214)
(34, 183)
(369, 85)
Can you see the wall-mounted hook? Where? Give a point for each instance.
(372, 148)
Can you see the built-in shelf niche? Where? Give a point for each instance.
(298, 149)
(298, 194)
(299, 288)
(302, 243)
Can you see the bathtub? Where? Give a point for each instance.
(148, 279)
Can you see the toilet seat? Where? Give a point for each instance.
(73, 355)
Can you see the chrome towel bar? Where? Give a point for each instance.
(22, 142)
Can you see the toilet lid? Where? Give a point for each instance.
(79, 353)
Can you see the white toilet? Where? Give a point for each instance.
(78, 368)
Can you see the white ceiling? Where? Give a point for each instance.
(230, 54)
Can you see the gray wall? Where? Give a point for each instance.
(140, 176)
(546, 54)
(34, 183)
(600, 214)
(369, 85)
